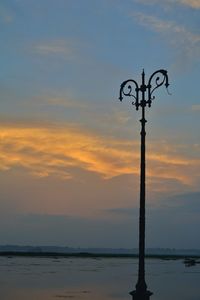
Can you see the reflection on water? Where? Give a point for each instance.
(100, 279)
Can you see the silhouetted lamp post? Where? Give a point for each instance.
(142, 96)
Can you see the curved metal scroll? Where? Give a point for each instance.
(127, 89)
(157, 83)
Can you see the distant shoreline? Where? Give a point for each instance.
(95, 255)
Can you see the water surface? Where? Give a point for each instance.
(36, 278)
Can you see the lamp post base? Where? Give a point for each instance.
(141, 295)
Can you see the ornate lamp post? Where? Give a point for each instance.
(131, 88)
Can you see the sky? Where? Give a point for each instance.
(70, 150)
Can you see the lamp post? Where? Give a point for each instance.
(131, 88)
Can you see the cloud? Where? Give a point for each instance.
(60, 101)
(186, 42)
(121, 223)
(187, 202)
(183, 212)
(162, 26)
(76, 231)
(47, 151)
(5, 15)
(196, 107)
(55, 150)
(191, 3)
(62, 48)
(122, 211)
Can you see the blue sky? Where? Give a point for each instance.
(70, 149)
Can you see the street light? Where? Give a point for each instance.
(131, 88)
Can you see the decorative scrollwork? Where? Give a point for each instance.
(127, 89)
(157, 83)
(131, 88)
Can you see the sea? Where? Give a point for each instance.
(48, 278)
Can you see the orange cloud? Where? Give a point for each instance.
(45, 151)
(191, 3)
(196, 107)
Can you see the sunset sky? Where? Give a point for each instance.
(70, 150)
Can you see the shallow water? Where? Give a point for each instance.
(94, 279)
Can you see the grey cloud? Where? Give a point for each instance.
(58, 48)
(36, 229)
(179, 203)
(6, 15)
(170, 222)
(122, 211)
(182, 39)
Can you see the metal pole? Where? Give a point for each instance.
(141, 292)
(141, 284)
